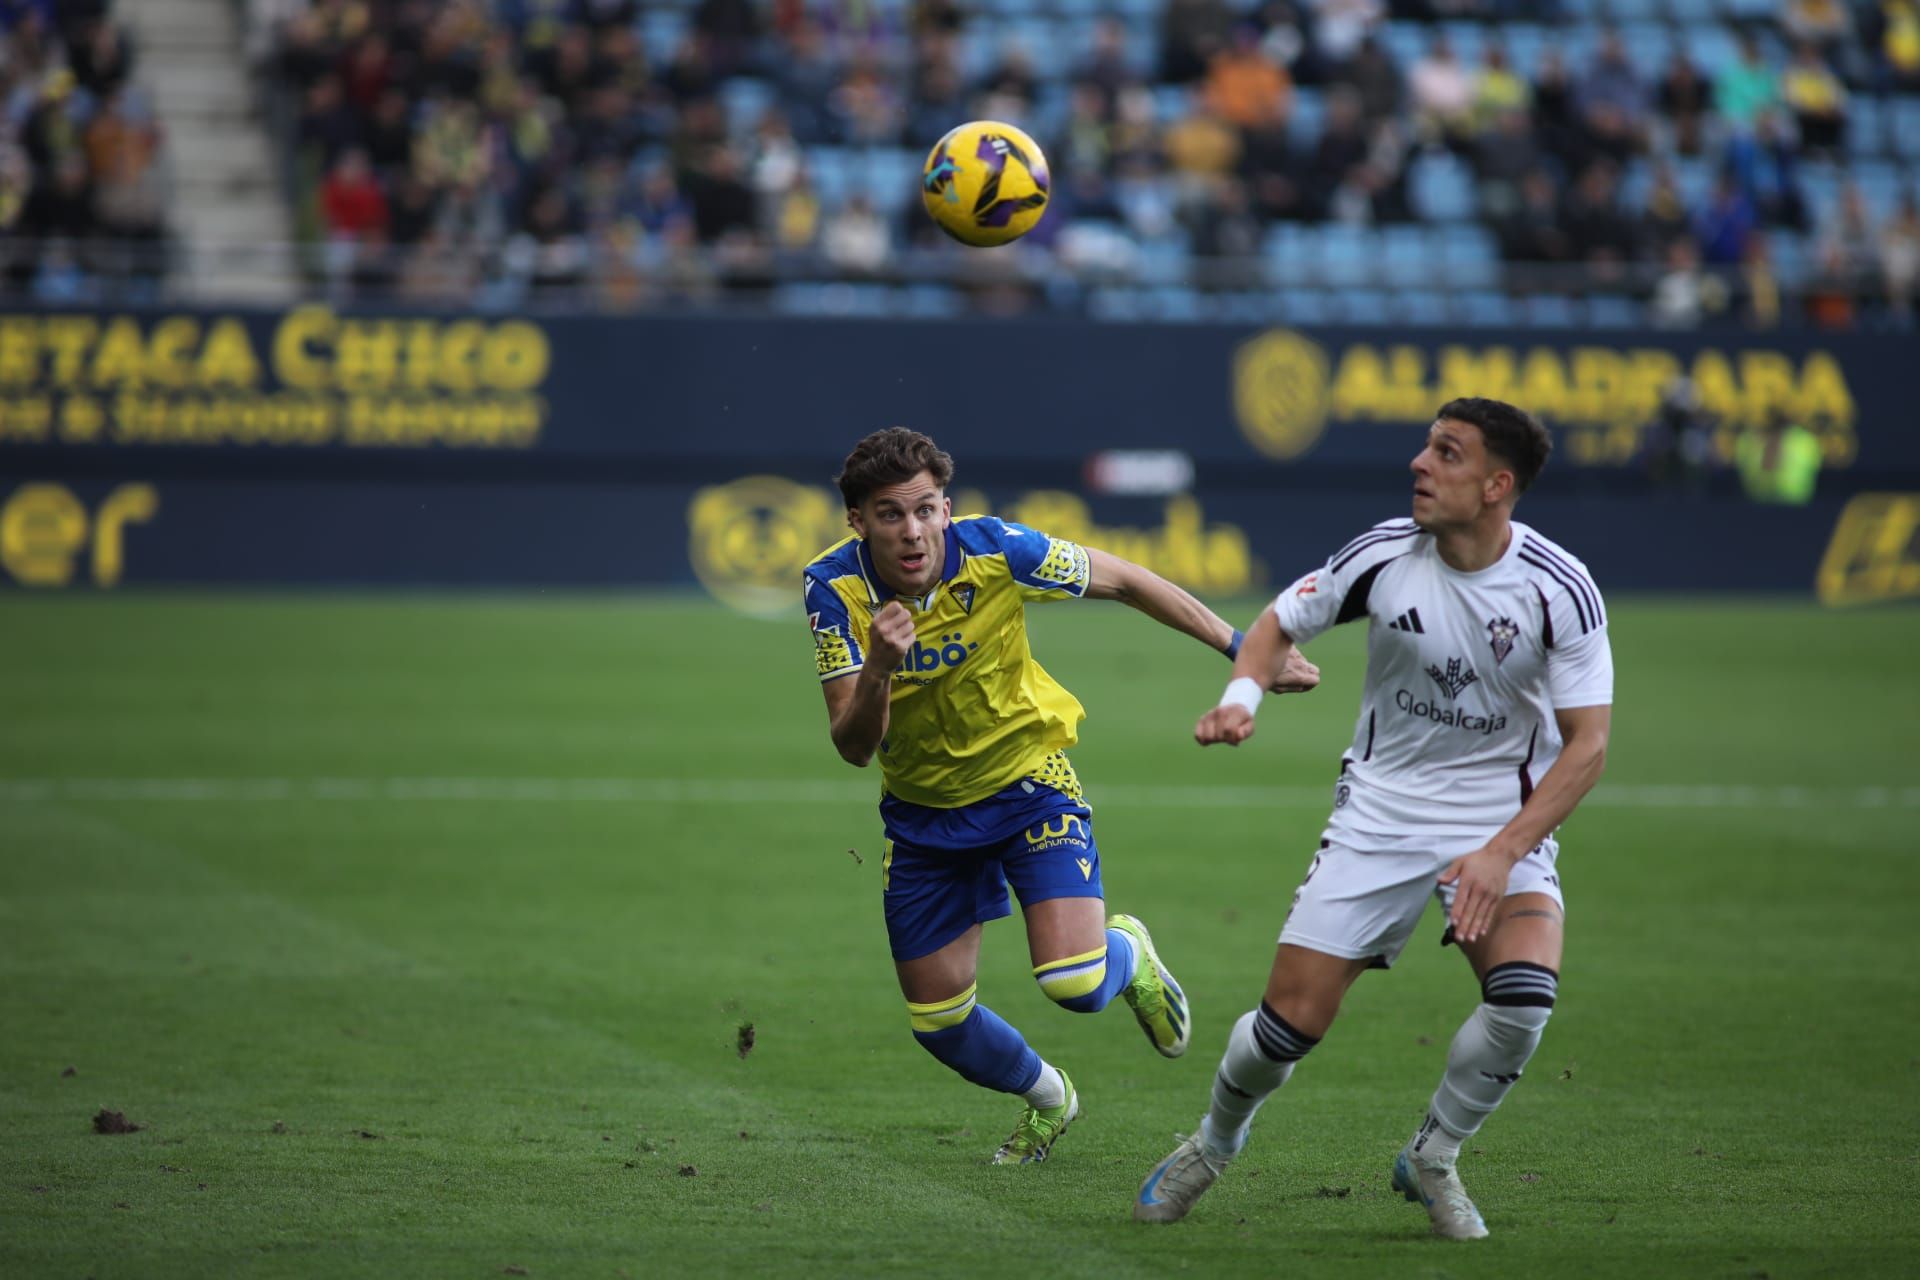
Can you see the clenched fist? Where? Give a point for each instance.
(890, 636)
(1231, 725)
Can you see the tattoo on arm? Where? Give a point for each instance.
(1535, 911)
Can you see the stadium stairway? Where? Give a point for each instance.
(226, 210)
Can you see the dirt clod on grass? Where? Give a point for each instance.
(744, 1041)
(688, 1171)
(369, 1134)
(1334, 1193)
(69, 1073)
(114, 1122)
(279, 1126)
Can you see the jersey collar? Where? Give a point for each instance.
(878, 592)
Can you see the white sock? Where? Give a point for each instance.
(1050, 1090)
(1246, 1078)
(1485, 1059)
(1434, 1143)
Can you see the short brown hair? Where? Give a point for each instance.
(892, 456)
(1513, 435)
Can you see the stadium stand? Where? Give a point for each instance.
(1555, 162)
(82, 183)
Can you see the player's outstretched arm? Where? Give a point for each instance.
(857, 704)
(1482, 874)
(1112, 578)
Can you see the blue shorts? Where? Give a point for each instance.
(934, 889)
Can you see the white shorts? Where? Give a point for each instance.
(1365, 906)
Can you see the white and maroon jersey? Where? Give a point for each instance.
(1464, 673)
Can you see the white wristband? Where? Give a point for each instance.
(1243, 691)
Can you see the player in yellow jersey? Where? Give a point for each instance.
(919, 628)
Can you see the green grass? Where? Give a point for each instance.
(531, 996)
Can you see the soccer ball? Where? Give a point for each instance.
(986, 183)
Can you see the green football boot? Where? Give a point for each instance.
(1032, 1139)
(1156, 999)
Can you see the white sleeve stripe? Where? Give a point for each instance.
(1579, 575)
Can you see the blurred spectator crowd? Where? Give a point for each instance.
(1541, 162)
(82, 188)
(1536, 161)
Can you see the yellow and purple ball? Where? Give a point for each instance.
(986, 183)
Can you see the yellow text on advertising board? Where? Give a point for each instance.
(314, 378)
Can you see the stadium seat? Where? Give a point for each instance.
(1469, 257)
(1551, 311)
(1440, 187)
(1648, 47)
(978, 49)
(1903, 120)
(1790, 257)
(931, 301)
(1686, 13)
(1301, 306)
(1407, 257)
(1711, 48)
(1620, 11)
(1606, 311)
(1309, 117)
(1864, 126)
(1362, 306)
(1292, 254)
(1170, 102)
(1175, 304)
(745, 100)
(1114, 304)
(1881, 183)
(1486, 308)
(892, 176)
(1346, 255)
(662, 30)
(1466, 39)
(1164, 262)
(833, 174)
(1423, 307)
(1404, 42)
(1525, 41)
(1694, 178)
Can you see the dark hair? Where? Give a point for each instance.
(1513, 435)
(889, 457)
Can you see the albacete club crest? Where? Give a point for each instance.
(1501, 633)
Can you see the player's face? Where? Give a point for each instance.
(905, 526)
(1453, 477)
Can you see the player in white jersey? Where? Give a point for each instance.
(1484, 721)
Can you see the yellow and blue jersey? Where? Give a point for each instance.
(971, 711)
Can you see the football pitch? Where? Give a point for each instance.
(420, 936)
